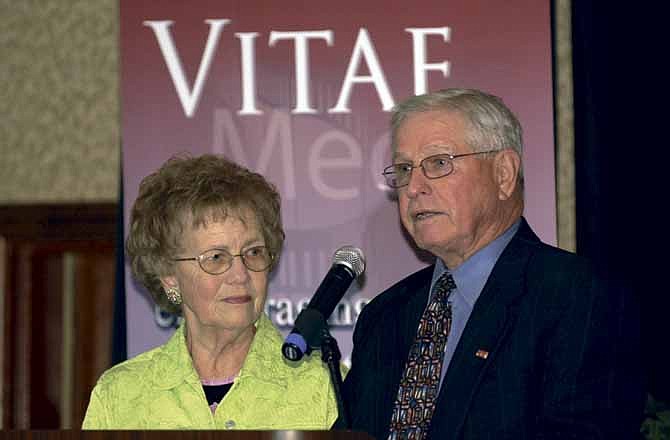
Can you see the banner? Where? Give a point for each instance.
(301, 92)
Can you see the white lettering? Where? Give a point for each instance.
(317, 163)
(284, 311)
(358, 306)
(342, 315)
(381, 151)
(363, 49)
(284, 315)
(421, 67)
(302, 63)
(188, 98)
(278, 133)
(248, 73)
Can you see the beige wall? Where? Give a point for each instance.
(60, 119)
(59, 103)
(565, 156)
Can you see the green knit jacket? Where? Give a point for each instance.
(160, 389)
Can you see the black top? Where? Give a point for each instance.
(215, 393)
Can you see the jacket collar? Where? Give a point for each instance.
(173, 365)
(492, 317)
(264, 355)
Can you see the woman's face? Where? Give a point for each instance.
(232, 300)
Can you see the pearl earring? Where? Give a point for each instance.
(173, 295)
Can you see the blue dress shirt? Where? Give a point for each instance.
(470, 278)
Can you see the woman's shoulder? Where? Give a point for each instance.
(131, 372)
(158, 364)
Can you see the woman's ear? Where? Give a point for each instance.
(507, 166)
(171, 288)
(169, 282)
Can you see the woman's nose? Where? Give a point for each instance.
(238, 272)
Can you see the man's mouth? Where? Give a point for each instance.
(424, 215)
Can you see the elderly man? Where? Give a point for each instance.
(504, 336)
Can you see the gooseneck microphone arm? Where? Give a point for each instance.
(330, 354)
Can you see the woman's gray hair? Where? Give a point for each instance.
(492, 125)
(188, 192)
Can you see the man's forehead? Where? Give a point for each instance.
(437, 118)
(428, 149)
(433, 124)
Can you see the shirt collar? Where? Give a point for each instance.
(471, 276)
(174, 365)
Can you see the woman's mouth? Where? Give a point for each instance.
(241, 299)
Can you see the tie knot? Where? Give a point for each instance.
(444, 286)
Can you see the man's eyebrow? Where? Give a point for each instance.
(396, 157)
(431, 149)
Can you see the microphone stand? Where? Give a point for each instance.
(330, 354)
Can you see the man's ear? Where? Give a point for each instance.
(507, 165)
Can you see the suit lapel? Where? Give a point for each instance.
(415, 307)
(391, 332)
(492, 316)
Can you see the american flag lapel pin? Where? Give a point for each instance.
(482, 354)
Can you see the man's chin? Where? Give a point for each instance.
(428, 232)
(428, 244)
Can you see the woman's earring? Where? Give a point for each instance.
(173, 295)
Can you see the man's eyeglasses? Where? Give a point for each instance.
(217, 261)
(433, 167)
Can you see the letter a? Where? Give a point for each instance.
(363, 50)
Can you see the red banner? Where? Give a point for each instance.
(301, 92)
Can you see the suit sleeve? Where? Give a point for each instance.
(592, 384)
(350, 378)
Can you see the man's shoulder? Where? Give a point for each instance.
(542, 255)
(402, 292)
(556, 273)
(545, 256)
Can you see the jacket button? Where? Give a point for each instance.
(230, 424)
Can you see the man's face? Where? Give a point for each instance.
(453, 216)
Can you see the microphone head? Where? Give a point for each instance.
(351, 257)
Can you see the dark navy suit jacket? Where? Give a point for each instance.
(563, 353)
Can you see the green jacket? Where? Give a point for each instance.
(160, 389)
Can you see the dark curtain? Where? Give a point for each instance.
(620, 143)
(119, 349)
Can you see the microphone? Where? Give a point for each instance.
(348, 263)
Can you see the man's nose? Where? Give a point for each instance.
(418, 183)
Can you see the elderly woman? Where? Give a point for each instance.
(204, 235)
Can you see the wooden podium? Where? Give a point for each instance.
(182, 435)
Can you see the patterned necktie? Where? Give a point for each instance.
(415, 403)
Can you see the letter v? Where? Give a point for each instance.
(189, 98)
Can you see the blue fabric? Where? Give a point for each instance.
(470, 278)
